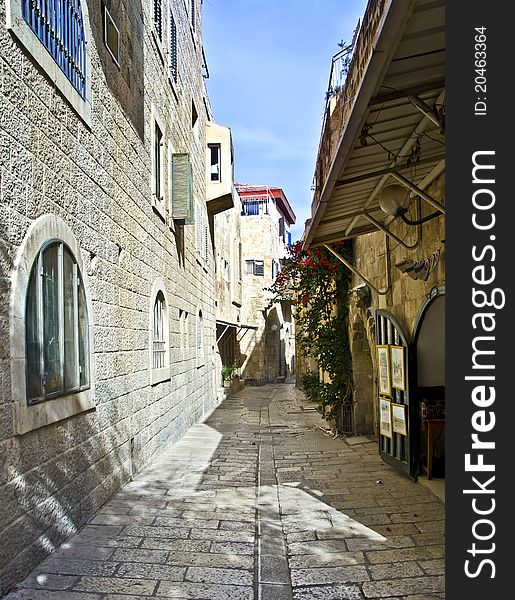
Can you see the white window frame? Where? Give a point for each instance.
(254, 261)
(218, 147)
(27, 417)
(16, 23)
(158, 202)
(109, 17)
(59, 340)
(159, 374)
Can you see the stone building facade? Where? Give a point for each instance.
(379, 181)
(106, 271)
(268, 350)
(376, 257)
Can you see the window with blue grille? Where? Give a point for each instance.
(173, 48)
(59, 25)
(193, 14)
(158, 18)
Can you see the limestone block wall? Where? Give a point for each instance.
(94, 180)
(406, 295)
(268, 354)
(229, 271)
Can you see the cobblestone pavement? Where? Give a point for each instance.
(257, 503)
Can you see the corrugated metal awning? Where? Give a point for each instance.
(395, 125)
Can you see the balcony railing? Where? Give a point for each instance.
(347, 71)
(253, 208)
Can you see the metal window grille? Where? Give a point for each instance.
(158, 163)
(158, 341)
(193, 14)
(200, 332)
(158, 18)
(173, 48)
(58, 24)
(254, 207)
(206, 240)
(200, 339)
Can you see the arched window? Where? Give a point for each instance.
(59, 26)
(56, 326)
(158, 341)
(159, 334)
(200, 339)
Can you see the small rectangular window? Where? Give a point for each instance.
(215, 162)
(255, 267)
(111, 37)
(281, 228)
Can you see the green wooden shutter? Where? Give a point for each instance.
(182, 189)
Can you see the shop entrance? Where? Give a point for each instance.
(429, 353)
(395, 411)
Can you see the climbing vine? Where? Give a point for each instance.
(318, 284)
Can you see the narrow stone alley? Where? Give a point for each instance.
(256, 503)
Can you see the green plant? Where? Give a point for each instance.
(318, 284)
(228, 373)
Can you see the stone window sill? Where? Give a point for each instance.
(29, 417)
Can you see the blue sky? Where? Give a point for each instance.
(269, 64)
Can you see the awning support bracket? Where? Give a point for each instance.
(391, 234)
(222, 334)
(360, 275)
(419, 192)
(426, 110)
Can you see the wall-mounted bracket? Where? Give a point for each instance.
(360, 275)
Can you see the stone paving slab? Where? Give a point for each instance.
(256, 503)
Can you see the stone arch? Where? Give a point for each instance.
(43, 231)
(363, 380)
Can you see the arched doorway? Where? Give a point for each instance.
(429, 357)
(363, 381)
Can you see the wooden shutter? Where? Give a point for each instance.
(182, 184)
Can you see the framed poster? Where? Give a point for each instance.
(383, 366)
(399, 419)
(397, 366)
(385, 417)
